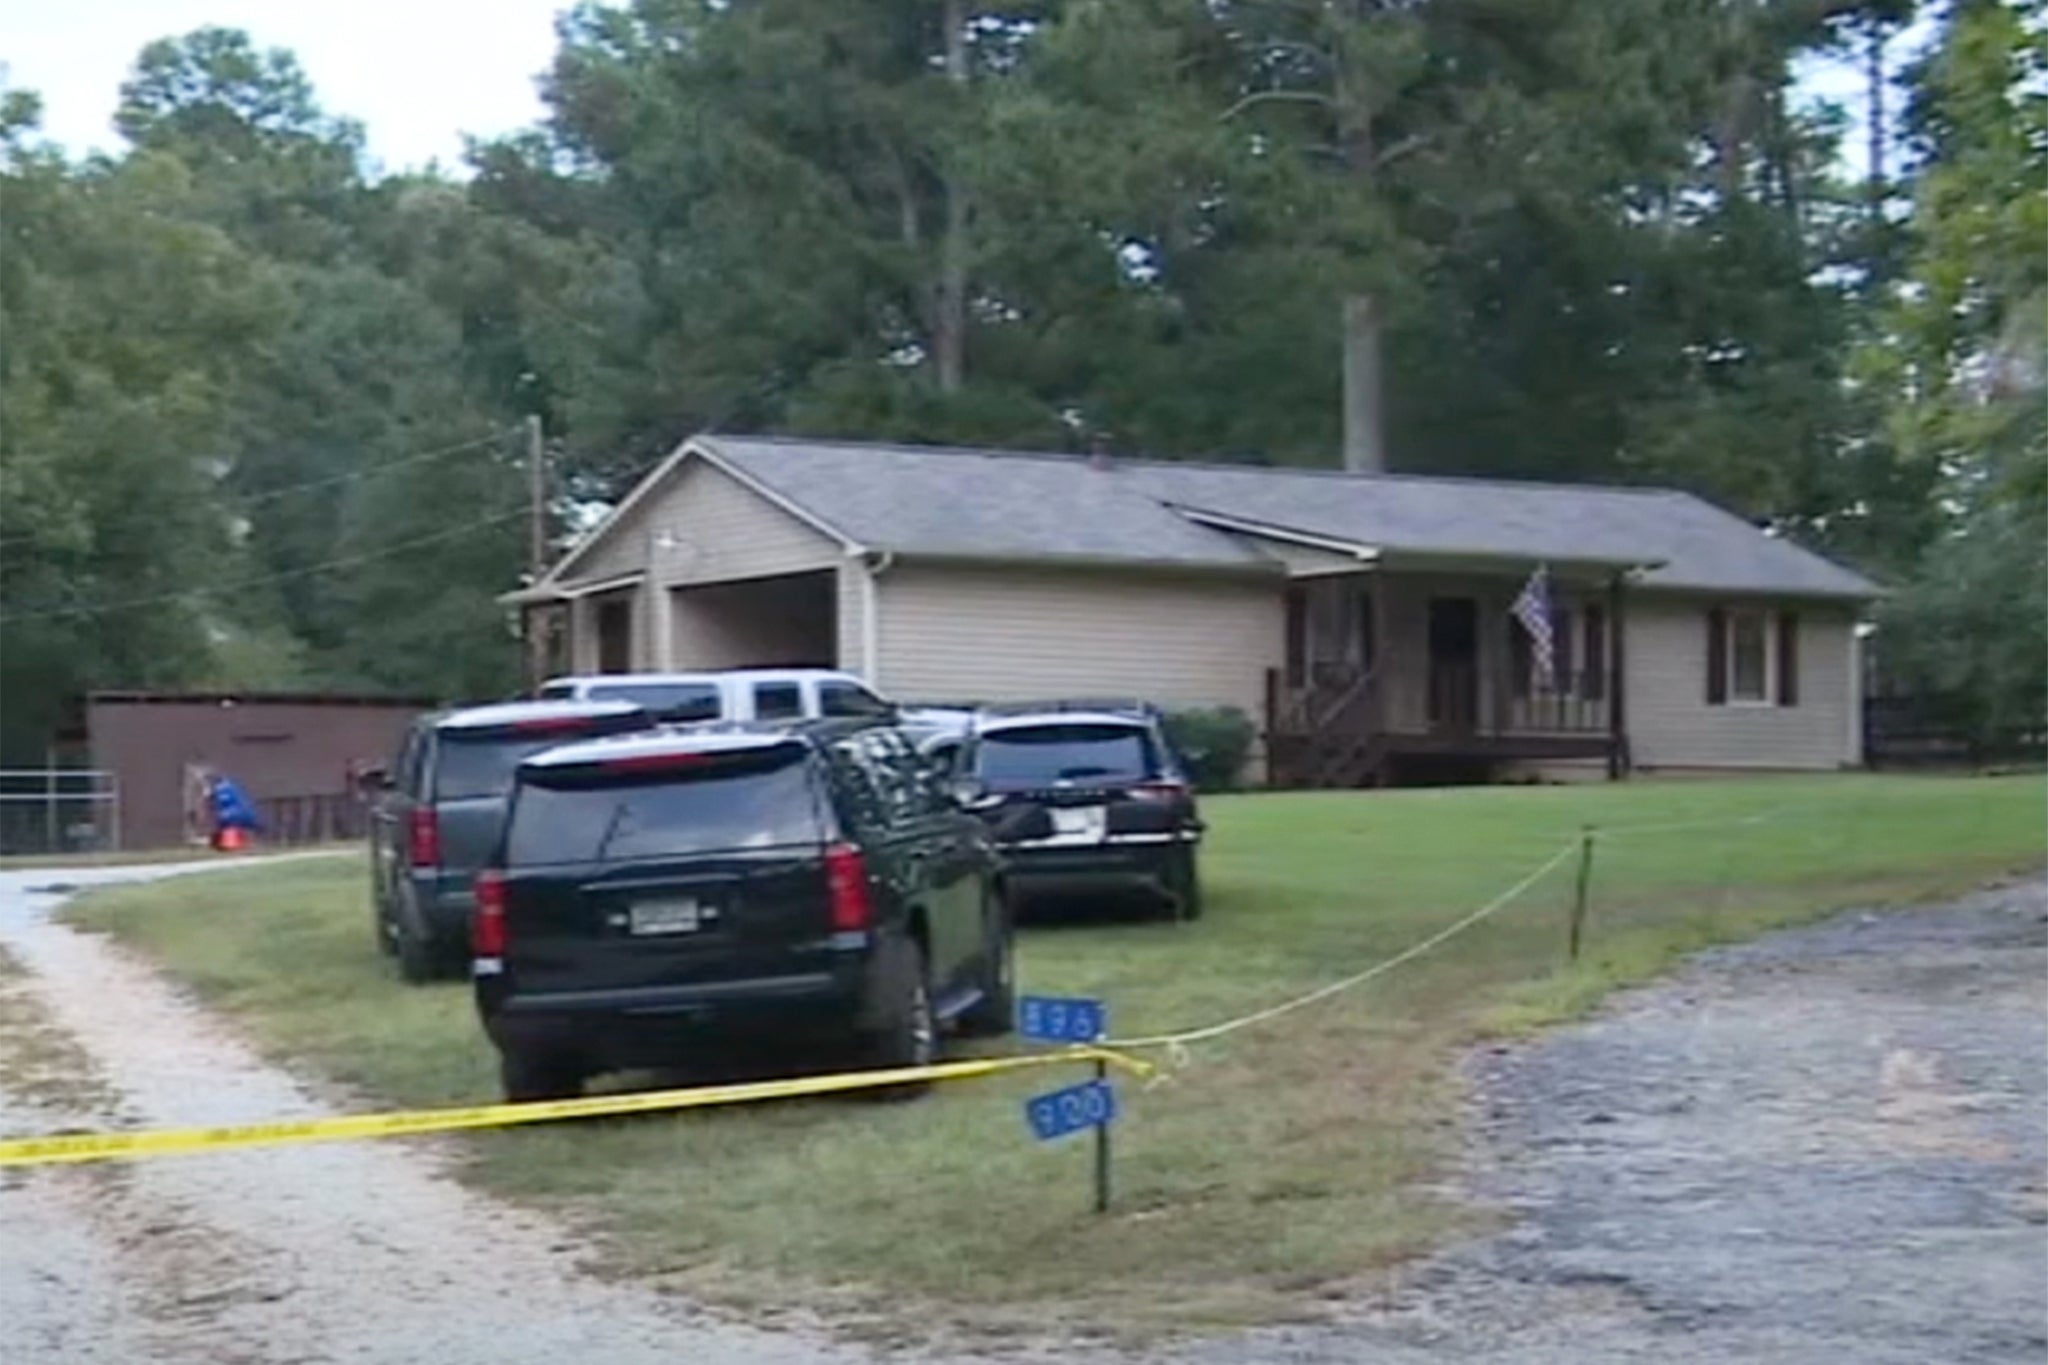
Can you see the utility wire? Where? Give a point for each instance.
(269, 495)
(107, 608)
(350, 476)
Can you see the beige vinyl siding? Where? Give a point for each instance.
(1016, 634)
(852, 612)
(703, 527)
(1670, 724)
(720, 530)
(706, 526)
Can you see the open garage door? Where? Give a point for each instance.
(789, 621)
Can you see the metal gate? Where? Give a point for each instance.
(59, 810)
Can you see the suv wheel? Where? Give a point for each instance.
(1184, 884)
(380, 915)
(417, 960)
(529, 1076)
(911, 1035)
(995, 1013)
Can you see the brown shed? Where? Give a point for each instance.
(294, 753)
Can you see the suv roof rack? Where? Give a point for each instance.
(1124, 705)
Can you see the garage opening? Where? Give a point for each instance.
(789, 621)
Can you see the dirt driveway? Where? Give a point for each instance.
(1826, 1146)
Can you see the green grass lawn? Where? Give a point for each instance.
(1276, 1168)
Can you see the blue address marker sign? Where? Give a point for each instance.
(1062, 1113)
(1061, 1019)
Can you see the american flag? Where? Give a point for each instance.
(1532, 609)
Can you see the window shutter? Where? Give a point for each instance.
(1717, 657)
(1788, 658)
(1593, 681)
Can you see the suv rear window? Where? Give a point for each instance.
(1042, 754)
(759, 800)
(471, 766)
(680, 702)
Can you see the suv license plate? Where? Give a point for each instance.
(677, 916)
(1080, 822)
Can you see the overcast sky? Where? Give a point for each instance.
(417, 73)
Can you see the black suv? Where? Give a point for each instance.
(729, 889)
(435, 817)
(1085, 797)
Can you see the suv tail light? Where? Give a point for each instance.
(1160, 791)
(487, 923)
(423, 842)
(846, 881)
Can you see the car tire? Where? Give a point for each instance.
(531, 1076)
(910, 1036)
(418, 963)
(387, 942)
(1184, 884)
(995, 1014)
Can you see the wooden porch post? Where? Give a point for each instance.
(1382, 632)
(1618, 761)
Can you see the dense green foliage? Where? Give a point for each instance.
(1215, 743)
(260, 408)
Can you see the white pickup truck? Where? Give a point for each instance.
(736, 694)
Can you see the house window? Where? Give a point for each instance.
(1297, 636)
(1749, 657)
(1752, 658)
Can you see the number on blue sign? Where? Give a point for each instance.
(1061, 1020)
(1073, 1110)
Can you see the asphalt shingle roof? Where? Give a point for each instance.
(1013, 505)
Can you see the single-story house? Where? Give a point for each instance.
(1364, 621)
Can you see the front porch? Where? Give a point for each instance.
(1396, 676)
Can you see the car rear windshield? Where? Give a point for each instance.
(1039, 755)
(754, 801)
(472, 766)
(669, 701)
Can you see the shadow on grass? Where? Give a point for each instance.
(1092, 910)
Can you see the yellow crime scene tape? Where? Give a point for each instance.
(1113, 1052)
(74, 1147)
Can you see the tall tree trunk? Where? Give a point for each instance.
(1365, 423)
(949, 326)
(1873, 70)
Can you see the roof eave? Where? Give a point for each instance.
(1245, 568)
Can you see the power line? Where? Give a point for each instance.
(269, 495)
(107, 608)
(349, 476)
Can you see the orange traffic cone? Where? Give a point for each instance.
(233, 839)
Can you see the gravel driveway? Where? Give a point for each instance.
(1827, 1146)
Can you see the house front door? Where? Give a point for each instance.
(1453, 664)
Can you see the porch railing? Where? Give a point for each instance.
(1576, 704)
(1451, 699)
